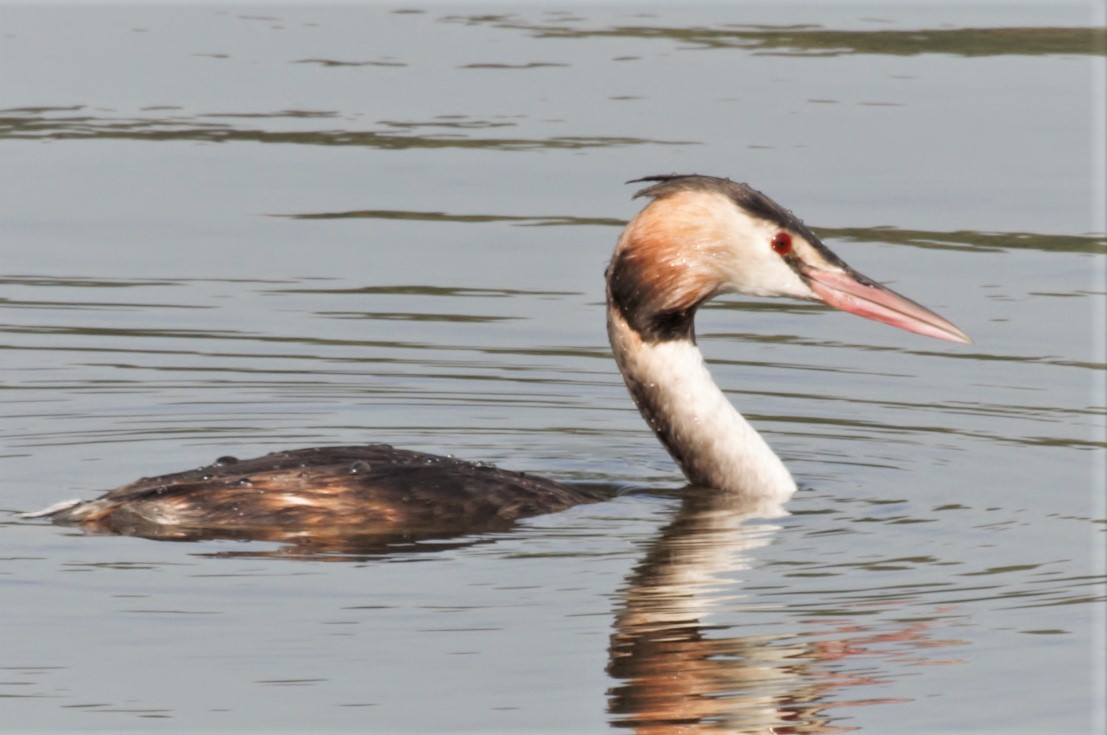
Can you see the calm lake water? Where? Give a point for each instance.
(230, 231)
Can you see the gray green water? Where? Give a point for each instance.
(230, 231)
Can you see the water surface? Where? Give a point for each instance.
(231, 231)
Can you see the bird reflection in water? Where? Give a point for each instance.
(679, 674)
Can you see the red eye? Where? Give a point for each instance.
(782, 243)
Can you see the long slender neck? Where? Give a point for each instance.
(714, 445)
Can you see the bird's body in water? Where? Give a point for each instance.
(367, 491)
(698, 237)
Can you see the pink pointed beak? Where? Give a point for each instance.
(852, 292)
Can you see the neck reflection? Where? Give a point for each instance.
(679, 673)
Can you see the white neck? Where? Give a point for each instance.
(714, 445)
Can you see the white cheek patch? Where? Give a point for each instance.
(746, 262)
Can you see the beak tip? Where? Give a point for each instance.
(956, 335)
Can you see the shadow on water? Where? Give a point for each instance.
(957, 240)
(523, 220)
(813, 40)
(78, 123)
(938, 240)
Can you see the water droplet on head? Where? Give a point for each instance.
(360, 467)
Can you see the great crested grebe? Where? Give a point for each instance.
(698, 237)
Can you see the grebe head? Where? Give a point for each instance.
(702, 236)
